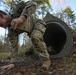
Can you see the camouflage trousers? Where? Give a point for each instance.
(36, 38)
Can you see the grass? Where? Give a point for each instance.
(4, 55)
(71, 64)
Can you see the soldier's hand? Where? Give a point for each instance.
(17, 21)
(7, 67)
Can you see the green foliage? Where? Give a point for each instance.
(1, 45)
(68, 16)
(44, 6)
(43, 2)
(69, 13)
(11, 2)
(4, 44)
(4, 56)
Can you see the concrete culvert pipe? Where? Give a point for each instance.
(57, 37)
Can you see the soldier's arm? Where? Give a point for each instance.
(29, 9)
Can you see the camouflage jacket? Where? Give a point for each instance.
(28, 11)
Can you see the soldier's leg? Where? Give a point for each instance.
(13, 38)
(37, 39)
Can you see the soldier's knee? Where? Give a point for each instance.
(35, 37)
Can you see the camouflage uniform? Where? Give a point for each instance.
(35, 27)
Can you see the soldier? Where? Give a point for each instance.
(25, 22)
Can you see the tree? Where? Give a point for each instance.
(69, 14)
(44, 6)
(1, 46)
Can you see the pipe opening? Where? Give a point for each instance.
(55, 38)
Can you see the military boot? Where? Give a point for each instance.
(46, 64)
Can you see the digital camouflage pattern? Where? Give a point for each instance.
(34, 27)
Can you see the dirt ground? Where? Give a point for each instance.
(62, 66)
(31, 66)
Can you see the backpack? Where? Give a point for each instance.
(17, 10)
